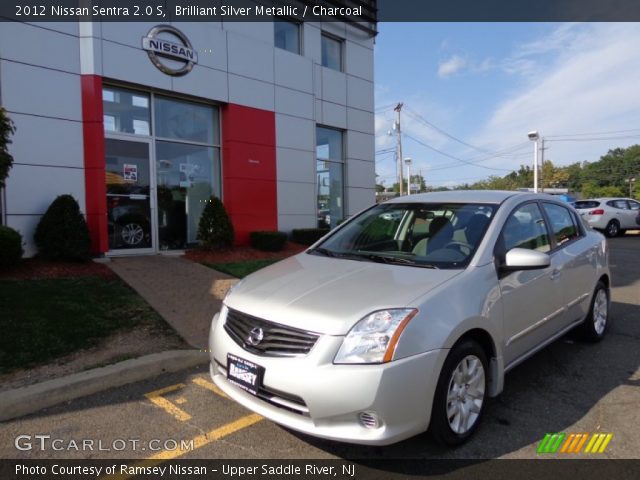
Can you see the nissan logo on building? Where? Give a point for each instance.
(255, 336)
(171, 57)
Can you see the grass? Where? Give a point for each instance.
(242, 269)
(48, 318)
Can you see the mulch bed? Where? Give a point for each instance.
(241, 254)
(33, 268)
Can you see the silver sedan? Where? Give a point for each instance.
(407, 317)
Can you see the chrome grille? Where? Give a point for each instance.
(277, 341)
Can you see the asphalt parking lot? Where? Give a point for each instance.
(568, 387)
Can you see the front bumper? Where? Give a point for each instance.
(328, 398)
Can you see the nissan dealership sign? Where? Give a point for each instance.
(170, 50)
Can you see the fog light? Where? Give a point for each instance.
(369, 420)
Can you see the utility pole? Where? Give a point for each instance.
(541, 166)
(399, 148)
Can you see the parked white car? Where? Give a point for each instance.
(407, 316)
(610, 215)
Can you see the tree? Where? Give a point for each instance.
(62, 233)
(215, 230)
(7, 128)
(552, 176)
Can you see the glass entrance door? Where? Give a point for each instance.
(128, 178)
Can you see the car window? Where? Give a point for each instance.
(432, 235)
(634, 205)
(587, 204)
(562, 225)
(525, 228)
(621, 204)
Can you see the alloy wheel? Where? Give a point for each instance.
(600, 311)
(132, 234)
(465, 394)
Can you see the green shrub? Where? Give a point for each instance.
(7, 128)
(308, 236)
(62, 233)
(215, 230)
(268, 241)
(10, 246)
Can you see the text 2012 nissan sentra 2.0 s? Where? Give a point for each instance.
(406, 317)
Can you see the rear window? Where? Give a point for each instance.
(587, 204)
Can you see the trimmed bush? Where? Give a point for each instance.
(215, 230)
(62, 233)
(268, 241)
(10, 246)
(308, 236)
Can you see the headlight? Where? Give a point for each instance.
(374, 338)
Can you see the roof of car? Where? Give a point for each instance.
(463, 196)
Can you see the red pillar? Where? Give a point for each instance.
(249, 180)
(94, 162)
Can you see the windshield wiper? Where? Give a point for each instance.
(323, 251)
(395, 260)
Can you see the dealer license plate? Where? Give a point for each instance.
(244, 374)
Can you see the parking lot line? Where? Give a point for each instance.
(197, 442)
(166, 405)
(211, 436)
(209, 386)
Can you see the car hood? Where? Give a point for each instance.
(329, 295)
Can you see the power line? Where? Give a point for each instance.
(593, 133)
(453, 156)
(416, 116)
(593, 139)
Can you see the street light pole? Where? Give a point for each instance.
(534, 136)
(407, 161)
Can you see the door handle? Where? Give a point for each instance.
(556, 274)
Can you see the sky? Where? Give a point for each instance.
(474, 90)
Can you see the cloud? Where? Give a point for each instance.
(451, 66)
(583, 78)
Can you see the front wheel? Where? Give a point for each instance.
(595, 325)
(460, 395)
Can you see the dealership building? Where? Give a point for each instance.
(143, 122)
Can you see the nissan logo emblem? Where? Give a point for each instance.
(179, 57)
(255, 336)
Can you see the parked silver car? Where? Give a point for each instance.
(406, 317)
(611, 215)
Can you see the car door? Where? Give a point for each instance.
(532, 300)
(574, 258)
(622, 213)
(635, 208)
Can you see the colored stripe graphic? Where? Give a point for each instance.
(573, 443)
(551, 442)
(598, 443)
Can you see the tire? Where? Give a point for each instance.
(595, 325)
(612, 229)
(448, 426)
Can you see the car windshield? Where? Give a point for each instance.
(428, 235)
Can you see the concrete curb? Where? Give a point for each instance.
(25, 400)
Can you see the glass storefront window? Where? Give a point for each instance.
(186, 121)
(126, 111)
(128, 194)
(186, 180)
(330, 173)
(157, 187)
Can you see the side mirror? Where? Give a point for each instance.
(525, 259)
